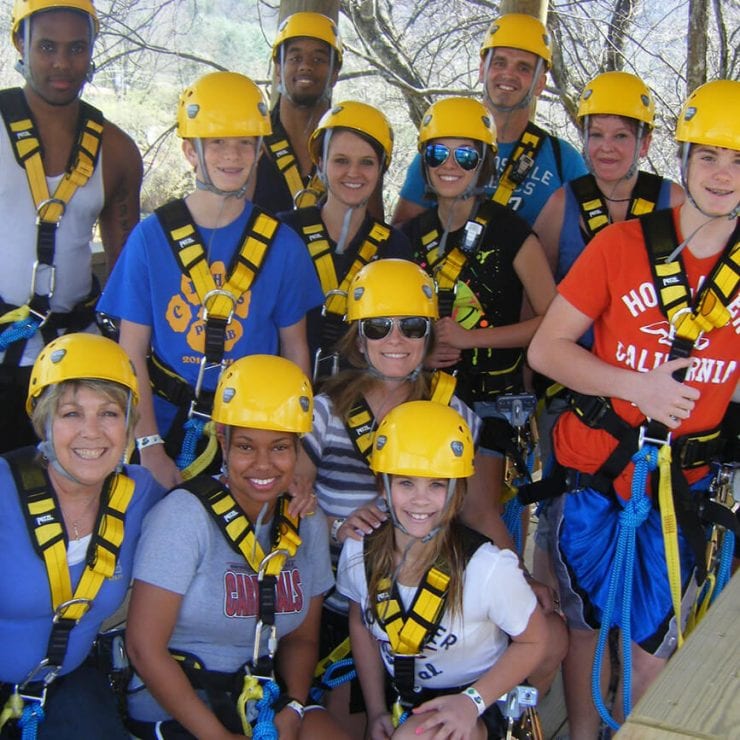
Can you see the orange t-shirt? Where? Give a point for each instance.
(612, 283)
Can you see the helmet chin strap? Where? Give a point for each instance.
(206, 183)
(397, 524)
(525, 101)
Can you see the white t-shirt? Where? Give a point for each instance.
(497, 602)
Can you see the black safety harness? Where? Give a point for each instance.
(593, 208)
(333, 325)
(50, 209)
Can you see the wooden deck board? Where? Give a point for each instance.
(696, 695)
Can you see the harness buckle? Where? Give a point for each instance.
(673, 323)
(59, 611)
(215, 293)
(521, 169)
(34, 278)
(45, 204)
(645, 438)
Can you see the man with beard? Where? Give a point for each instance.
(530, 163)
(307, 54)
(53, 189)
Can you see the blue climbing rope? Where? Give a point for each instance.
(634, 513)
(193, 432)
(33, 713)
(264, 728)
(329, 681)
(512, 517)
(23, 329)
(724, 568)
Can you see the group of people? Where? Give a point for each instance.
(327, 411)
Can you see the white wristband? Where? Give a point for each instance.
(152, 439)
(297, 707)
(336, 524)
(476, 698)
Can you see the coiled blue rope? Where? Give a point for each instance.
(329, 681)
(634, 513)
(23, 329)
(725, 563)
(264, 728)
(33, 713)
(193, 432)
(513, 509)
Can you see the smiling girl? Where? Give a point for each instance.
(485, 632)
(351, 148)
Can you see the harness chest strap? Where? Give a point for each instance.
(26, 145)
(319, 247)
(187, 247)
(282, 152)
(710, 307)
(238, 530)
(521, 162)
(360, 422)
(45, 525)
(447, 267)
(593, 208)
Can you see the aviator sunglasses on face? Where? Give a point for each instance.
(411, 327)
(435, 155)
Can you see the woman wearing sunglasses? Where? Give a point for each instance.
(351, 147)
(485, 260)
(391, 306)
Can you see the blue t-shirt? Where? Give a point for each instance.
(147, 287)
(25, 601)
(530, 197)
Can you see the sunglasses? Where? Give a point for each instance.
(411, 327)
(435, 155)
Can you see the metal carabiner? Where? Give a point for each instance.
(52, 279)
(330, 294)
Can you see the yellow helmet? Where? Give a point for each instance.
(356, 116)
(519, 31)
(391, 287)
(617, 94)
(22, 9)
(81, 357)
(457, 118)
(423, 438)
(264, 392)
(222, 104)
(309, 25)
(710, 115)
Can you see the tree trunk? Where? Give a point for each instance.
(327, 7)
(696, 52)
